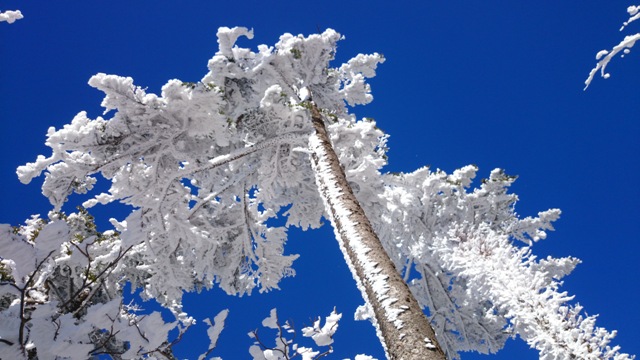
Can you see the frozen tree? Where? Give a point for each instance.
(251, 107)
(604, 56)
(10, 16)
(265, 134)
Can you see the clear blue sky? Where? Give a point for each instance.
(492, 83)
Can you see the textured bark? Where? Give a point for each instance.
(402, 326)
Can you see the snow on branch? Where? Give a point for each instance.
(605, 56)
(286, 347)
(61, 293)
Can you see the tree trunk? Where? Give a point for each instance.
(401, 325)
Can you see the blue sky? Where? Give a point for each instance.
(492, 83)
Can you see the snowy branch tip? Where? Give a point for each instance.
(11, 16)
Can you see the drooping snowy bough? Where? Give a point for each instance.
(205, 165)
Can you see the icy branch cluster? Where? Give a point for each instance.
(60, 293)
(205, 166)
(604, 56)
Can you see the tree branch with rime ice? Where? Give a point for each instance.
(70, 298)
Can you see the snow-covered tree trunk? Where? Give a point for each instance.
(400, 322)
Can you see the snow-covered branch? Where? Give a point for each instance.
(61, 292)
(605, 56)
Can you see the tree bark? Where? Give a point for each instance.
(401, 325)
